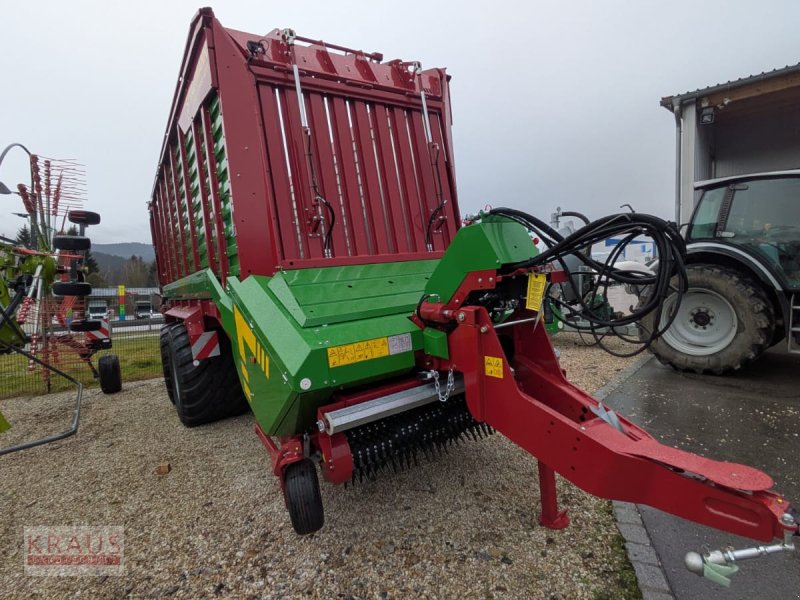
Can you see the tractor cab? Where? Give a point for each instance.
(758, 215)
(743, 257)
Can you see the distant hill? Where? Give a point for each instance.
(108, 263)
(125, 250)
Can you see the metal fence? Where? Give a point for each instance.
(134, 333)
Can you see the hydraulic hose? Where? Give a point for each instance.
(670, 248)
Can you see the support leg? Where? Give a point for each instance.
(550, 516)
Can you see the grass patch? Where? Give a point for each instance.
(625, 584)
(138, 353)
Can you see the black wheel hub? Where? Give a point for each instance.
(701, 318)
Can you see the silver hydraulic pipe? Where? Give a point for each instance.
(425, 118)
(380, 408)
(303, 118)
(289, 37)
(676, 110)
(517, 322)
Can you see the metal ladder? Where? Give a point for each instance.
(792, 343)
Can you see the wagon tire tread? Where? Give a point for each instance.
(203, 392)
(303, 498)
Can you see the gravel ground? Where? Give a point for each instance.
(216, 526)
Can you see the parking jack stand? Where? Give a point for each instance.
(550, 516)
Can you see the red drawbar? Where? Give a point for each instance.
(539, 410)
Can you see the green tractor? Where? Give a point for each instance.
(743, 265)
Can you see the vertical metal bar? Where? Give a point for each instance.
(450, 225)
(173, 220)
(191, 223)
(360, 232)
(425, 117)
(408, 179)
(162, 223)
(214, 187)
(156, 237)
(369, 177)
(396, 209)
(176, 192)
(323, 155)
(299, 92)
(301, 177)
(291, 247)
(173, 231)
(202, 174)
(422, 161)
(158, 240)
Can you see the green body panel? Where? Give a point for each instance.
(335, 295)
(435, 342)
(280, 344)
(487, 245)
(201, 285)
(282, 327)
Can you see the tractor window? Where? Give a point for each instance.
(704, 223)
(765, 217)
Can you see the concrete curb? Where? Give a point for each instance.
(649, 572)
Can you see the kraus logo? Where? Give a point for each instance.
(79, 550)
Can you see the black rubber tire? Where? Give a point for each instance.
(166, 364)
(85, 325)
(207, 391)
(110, 374)
(754, 315)
(72, 288)
(302, 496)
(83, 217)
(74, 243)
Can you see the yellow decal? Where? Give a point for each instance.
(536, 285)
(338, 356)
(493, 366)
(246, 338)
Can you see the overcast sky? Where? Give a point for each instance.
(555, 104)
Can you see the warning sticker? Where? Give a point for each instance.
(493, 366)
(399, 343)
(536, 285)
(339, 356)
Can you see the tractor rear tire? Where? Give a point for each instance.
(725, 321)
(165, 359)
(208, 390)
(110, 374)
(303, 498)
(75, 243)
(72, 288)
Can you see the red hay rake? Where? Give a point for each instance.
(43, 287)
